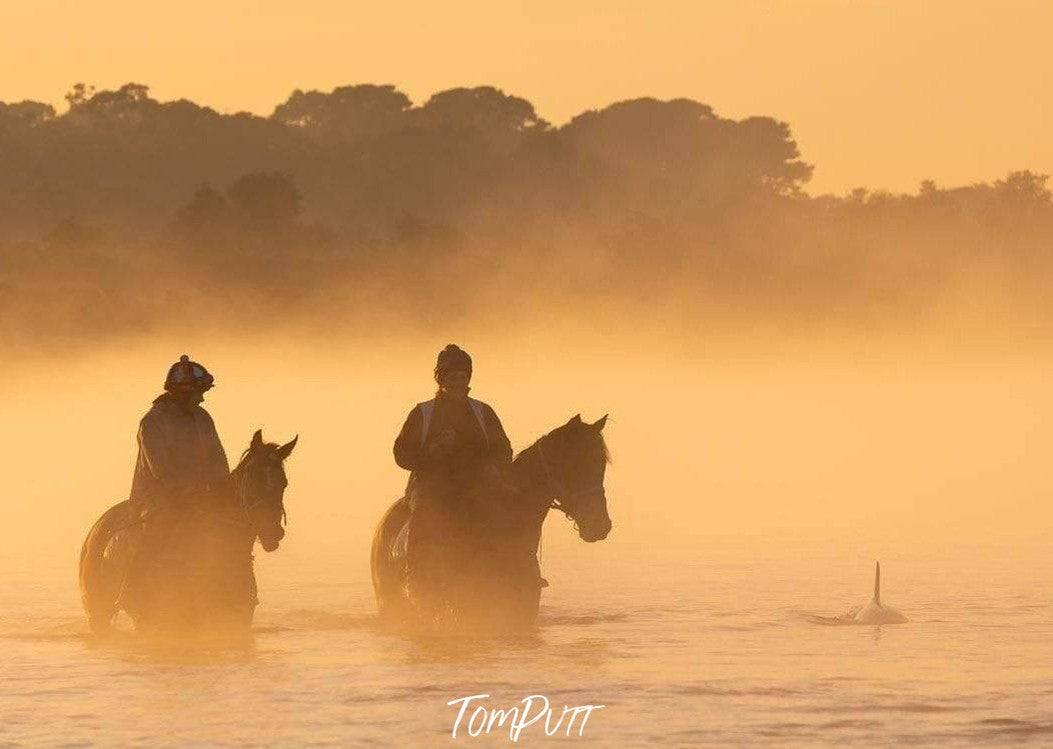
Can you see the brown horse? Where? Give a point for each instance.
(193, 571)
(489, 574)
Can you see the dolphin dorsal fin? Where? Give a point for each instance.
(877, 583)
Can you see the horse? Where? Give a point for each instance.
(494, 578)
(193, 573)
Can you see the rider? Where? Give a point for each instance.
(180, 459)
(452, 437)
(180, 455)
(453, 445)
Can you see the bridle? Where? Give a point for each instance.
(247, 507)
(245, 521)
(558, 491)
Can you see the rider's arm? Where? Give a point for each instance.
(409, 452)
(153, 450)
(500, 446)
(155, 459)
(219, 468)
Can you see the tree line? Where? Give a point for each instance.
(122, 204)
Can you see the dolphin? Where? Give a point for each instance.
(874, 612)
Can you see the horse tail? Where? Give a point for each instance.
(387, 567)
(101, 575)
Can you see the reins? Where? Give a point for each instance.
(246, 508)
(558, 491)
(197, 510)
(244, 522)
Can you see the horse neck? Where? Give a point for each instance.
(533, 484)
(230, 522)
(225, 493)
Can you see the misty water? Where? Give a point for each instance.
(680, 651)
(746, 493)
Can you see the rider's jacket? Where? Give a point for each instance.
(180, 455)
(479, 439)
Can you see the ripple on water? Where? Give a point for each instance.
(316, 620)
(994, 728)
(721, 690)
(909, 708)
(580, 619)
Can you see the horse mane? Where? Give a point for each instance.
(606, 450)
(269, 446)
(603, 443)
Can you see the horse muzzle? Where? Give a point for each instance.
(590, 534)
(270, 542)
(592, 519)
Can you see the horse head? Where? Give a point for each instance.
(260, 481)
(574, 458)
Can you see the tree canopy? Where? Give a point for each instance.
(358, 184)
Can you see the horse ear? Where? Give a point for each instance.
(599, 425)
(257, 440)
(285, 450)
(575, 419)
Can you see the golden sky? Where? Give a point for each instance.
(882, 94)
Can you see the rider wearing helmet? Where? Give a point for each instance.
(180, 460)
(452, 438)
(456, 449)
(180, 455)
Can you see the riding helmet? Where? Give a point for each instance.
(188, 375)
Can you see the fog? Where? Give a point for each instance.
(721, 442)
(777, 365)
(126, 216)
